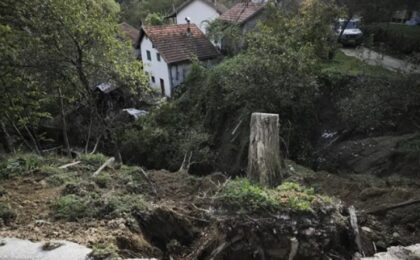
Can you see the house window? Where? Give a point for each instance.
(153, 79)
(158, 56)
(149, 56)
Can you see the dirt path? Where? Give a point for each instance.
(375, 58)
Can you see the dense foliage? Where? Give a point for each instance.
(53, 53)
(274, 74)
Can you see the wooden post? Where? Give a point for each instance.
(264, 159)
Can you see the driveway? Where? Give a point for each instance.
(375, 58)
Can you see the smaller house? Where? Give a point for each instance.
(167, 52)
(199, 12)
(245, 15)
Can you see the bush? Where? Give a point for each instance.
(20, 165)
(7, 214)
(72, 208)
(103, 180)
(382, 104)
(397, 38)
(93, 160)
(118, 205)
(103, 251)
(92, 205)
(59, 179)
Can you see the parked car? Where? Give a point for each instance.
(348, 31)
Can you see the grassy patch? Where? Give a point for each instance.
(94, 160)
(73, 207)
(350, 66)
(103, 251)
(59, 179)
(93, 205)
(240, 194)
(103, 180)
(20, 165)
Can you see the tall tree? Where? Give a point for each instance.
(64, 49)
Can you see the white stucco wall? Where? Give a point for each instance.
(180, 69)
(155, 68)
(198, 12)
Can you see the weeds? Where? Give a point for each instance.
(241, 194)
(19, 165)
(103, 251)
(94, 160)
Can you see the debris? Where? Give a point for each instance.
(69, 165)
(103, 166)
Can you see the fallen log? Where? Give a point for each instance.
(394, 206)
(65, 166)
(103, 166)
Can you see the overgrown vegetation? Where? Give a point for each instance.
(396, 39)
(246, 197)
(93, 205)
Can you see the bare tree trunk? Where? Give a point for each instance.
(64, 123)
(8, 141)
(33, 140)
(89, 133)
(21, 136)
(264, 158)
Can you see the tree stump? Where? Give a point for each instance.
(264, 158)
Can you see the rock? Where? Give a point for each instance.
(15, 249)
(366, 229)
(395, 235)
(398, 253)
(51, 245)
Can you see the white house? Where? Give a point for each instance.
(200, 12)
(167, 51)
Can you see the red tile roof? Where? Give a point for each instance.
(241, 12)
(129, 32)
(175, 45)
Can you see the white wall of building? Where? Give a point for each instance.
(157, 69)
(198, 12)
(179, 72)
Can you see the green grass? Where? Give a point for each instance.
(243, 196)
(343, 64)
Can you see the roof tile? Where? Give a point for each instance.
(241, 12)
(175, 45)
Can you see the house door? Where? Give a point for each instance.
(162, 87)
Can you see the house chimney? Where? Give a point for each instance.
(189, 26)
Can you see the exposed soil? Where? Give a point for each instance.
(186, 223)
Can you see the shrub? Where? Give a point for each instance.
(7, 214)
(72, 207)
(94, 160)
(102, 251)
(117, 205)
(59, 179)
(19, 165)
(384, 103)
(103, 180)
(242, 194)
